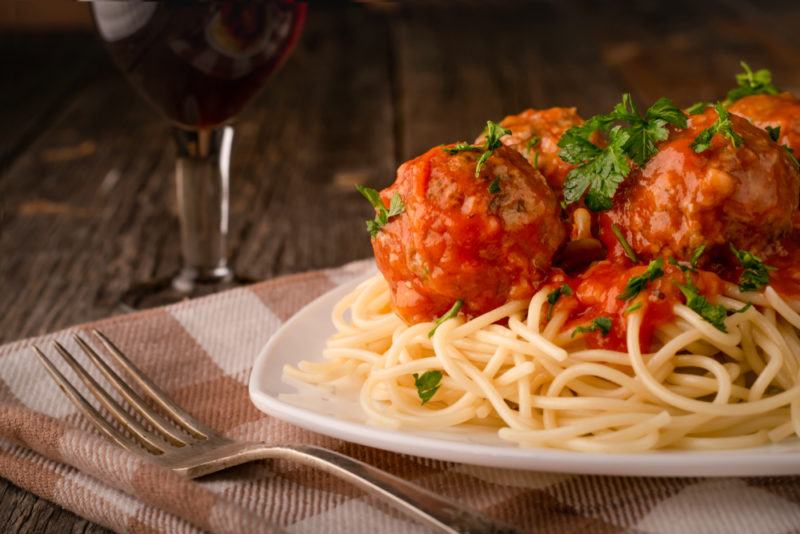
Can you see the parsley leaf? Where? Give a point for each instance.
(638, 283)
(553, 297)
(751, 83)
(792, 157)
(625, 245)
(494, 187)
(427, 384)
(601, 175)
(532, 142)
(603, 324)
(698, 252)
(714, 314)
(633, 307)
(493, 134)
(722, 126)
(756, 273)
(600, 170)
(774, 132)
(462, 147)
(697, 108)
(396, 207)
(449, 314)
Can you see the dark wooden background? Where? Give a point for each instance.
(86, 200)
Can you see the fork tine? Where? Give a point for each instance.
(149, 440)
(88, 410)
(154, 393)
(130, 395)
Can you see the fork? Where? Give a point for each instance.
(181, 443)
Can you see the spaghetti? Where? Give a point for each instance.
(527, 375)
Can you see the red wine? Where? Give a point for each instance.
(199, 63)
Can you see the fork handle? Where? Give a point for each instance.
(425, 505)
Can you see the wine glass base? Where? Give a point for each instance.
(183, 286)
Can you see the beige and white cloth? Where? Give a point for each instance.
(201, 353)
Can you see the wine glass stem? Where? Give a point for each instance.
(202, 186)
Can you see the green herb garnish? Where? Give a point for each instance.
(462, 147)
(751, 83)
(697, 108)
(493, 134)
(722, 126)
(714, 314)
(449, 314)
(427, 384)
(633, 307)
(599, 171)
(494, 187)
(691, 266)
(396, 207)
(774, 132)
(755, 274)
(638, 283)
(553, 297)
(532, 142)
(602, 324)
(629, 252)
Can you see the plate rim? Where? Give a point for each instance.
(761, 461)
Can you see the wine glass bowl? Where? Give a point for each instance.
(198, 64)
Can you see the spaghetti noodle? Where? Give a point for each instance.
(536, 382)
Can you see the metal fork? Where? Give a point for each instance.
(189, 447)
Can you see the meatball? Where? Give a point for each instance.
(485, 240)
(773, 110)
(681, 199)
(535, 134)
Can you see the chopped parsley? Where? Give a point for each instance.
(692, 264)
(633, 307)
(427, 384)
(638, 283)
(722, 126)
(792, 157)
(698, 252)
(494, 187)
(396, 207)
(630, 136)
(532, 142)
(553, 297)
(751, 83)
(697, 108)
(629, 252)
(774, 132)
(449, 314)
(755, 274)
(601, 324)
(462, 147)
(714, 314)
(493, 134)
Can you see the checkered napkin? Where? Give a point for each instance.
(201, 353)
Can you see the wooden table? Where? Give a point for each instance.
(86, 195)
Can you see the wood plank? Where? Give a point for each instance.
(40, 71)
(456, 73)
(24, 513)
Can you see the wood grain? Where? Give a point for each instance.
(86, 200)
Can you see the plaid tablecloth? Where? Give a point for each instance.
(201, 353)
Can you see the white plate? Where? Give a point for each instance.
(303, 338)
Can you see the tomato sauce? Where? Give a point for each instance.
(596, 294)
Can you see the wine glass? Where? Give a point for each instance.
(198, 64)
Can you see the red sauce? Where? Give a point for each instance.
(596, 294)
(785, 279)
